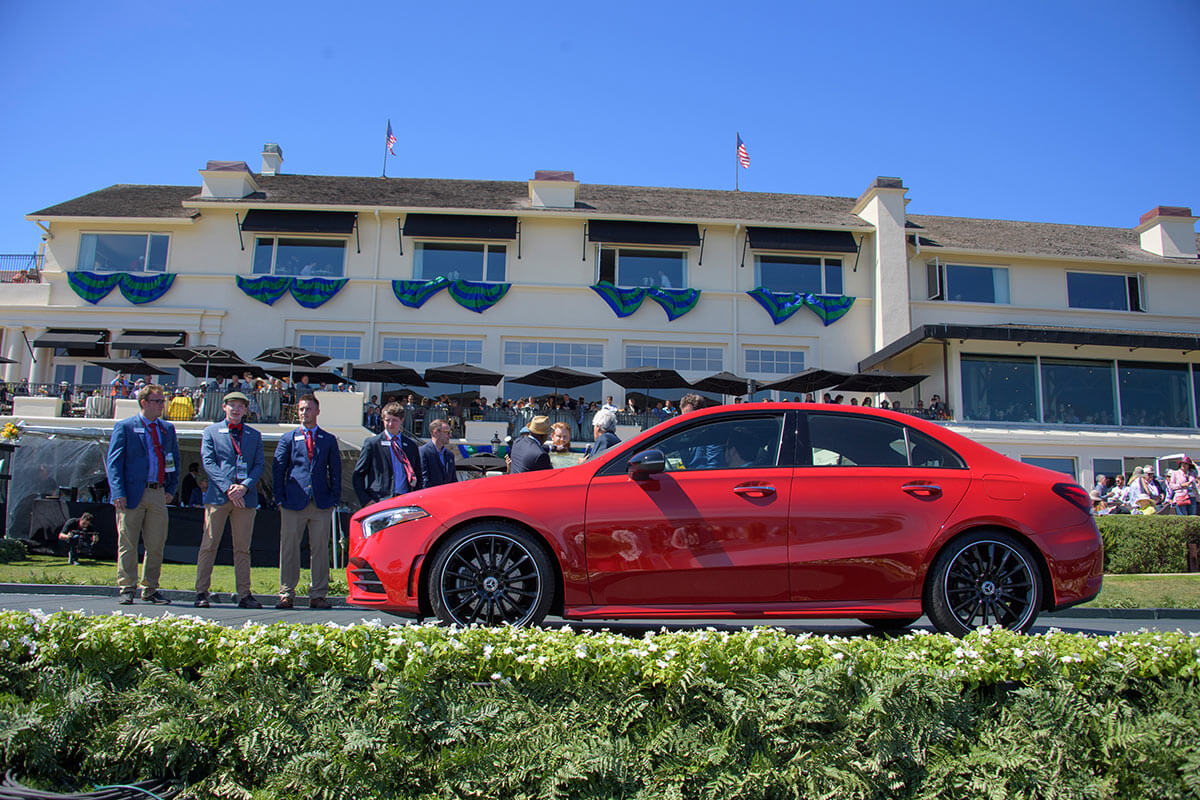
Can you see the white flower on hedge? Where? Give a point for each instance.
(378, 666)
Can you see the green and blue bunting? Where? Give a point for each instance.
(93, 286)
(266, 289)
(478, 296)
(414, 293)
(782, 305)
(623, 302)
(676, 302)
(315, 292)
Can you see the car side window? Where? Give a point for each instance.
(929, 452)
(850, 440)
(724, 444)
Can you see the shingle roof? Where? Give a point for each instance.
(126, 200)
(1032, 238)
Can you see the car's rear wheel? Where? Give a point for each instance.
(888, 623)
(491, 574)
(985, 578)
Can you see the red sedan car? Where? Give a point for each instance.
(762, 510)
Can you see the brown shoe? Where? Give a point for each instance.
(319, 602)
(284, 602)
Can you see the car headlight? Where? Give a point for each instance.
(393, 516)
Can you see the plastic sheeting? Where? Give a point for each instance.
(41, 464)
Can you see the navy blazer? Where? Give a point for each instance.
(220, 462)
(373, 472)
(528, 455)
(437, 468)
(128, 462)
(296, 480)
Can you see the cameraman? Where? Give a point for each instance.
(80, 537)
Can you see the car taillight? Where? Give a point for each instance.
(1074, 494)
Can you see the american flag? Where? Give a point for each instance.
(743, 156)
(391, 139)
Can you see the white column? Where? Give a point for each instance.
(882, 205)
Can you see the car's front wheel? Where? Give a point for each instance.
(491, 574)
(984, 578)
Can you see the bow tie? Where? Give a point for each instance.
(235, 428)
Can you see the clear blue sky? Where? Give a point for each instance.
(1079, 112)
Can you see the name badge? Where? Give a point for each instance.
(224, 431)
(139, 430)
(299, 437)
(240, 468)
(169, 462)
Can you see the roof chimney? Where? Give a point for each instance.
(553, 189)
(1169, 231)
(227, 180)
(272, 158)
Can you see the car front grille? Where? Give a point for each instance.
(365, 580)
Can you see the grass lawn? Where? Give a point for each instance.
(54, 569)
(1120, 591)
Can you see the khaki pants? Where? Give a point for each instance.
(147, 522)
(291, 525)
(241, 524)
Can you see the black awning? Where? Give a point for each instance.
(1095, 337)
(801, 239)
(612, 231)
(460, 226)
(148, 340)
(277, 221)
(65, 337)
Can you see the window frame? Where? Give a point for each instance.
(616, 249)
(823, 269)
(274, 238)
(938, 282)
(300, 336)
(804, 445)
(149, 236)
(1135, 290)
(720, 351)
(746, 350)
(468, 357)
(418, 259)
(593, 353)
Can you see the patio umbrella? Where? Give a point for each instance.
(723, 383)
(463, 374)
(293, 357)
(880, 381)
(481, 462)
(325, 376)
(220, 369)
(647, 378)
(133, 366)
(201, 356)
(809, 380)
(4, 360)
(558, 378)
(386, 372)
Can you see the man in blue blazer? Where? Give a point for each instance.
(387, 464)
(307, 479)
(437, 460)
(232, 453)
(143, 471)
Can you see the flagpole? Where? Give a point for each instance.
(736, 162)
(385, 150)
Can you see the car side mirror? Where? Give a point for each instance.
(646, 463)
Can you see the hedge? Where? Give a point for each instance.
(1136, 543)
(11, 550)
(421, 711)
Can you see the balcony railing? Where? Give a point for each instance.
(21, 268)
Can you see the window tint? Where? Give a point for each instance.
(725, 444)
(925, 451)
(845, 440)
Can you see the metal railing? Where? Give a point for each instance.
(21, 268)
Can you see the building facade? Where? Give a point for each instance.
(1077, 346)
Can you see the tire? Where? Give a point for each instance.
(888, 623)
(491, 573)
(984, 578)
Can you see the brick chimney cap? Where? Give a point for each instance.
(226, 166)
(553, 175)
(1165, 211)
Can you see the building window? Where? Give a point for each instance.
(299, 258)
(91, 375)
(123, 252)
(337, 346)
(64, 372)
(545, 354)
(1078, 392)
(774, 362)
(1104, 290)
(960, 283)
(707, 359)
(622, 266)
(1155, 395)
(806, 274)
(424, 350)
(999, 388)
(458, 261)
(1064, 465)
(1108, 467)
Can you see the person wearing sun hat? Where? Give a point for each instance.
(1183, 488)
(527, 454)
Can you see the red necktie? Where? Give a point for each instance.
(235, 435)
(408, 468)
(158, 453)
(308, 441)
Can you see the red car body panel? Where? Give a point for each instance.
(793, 540)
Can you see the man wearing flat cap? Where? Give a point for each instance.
(528, 454)
(232, 453)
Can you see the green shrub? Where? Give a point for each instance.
(422, 711)
(11, 550)
(1140, 544)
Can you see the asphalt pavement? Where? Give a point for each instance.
(103, 600)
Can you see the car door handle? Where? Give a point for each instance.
(922, 489)
(754, 490)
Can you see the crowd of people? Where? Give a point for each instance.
(1146, 492)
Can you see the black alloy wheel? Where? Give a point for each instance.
(491, 574)
(986, 578)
